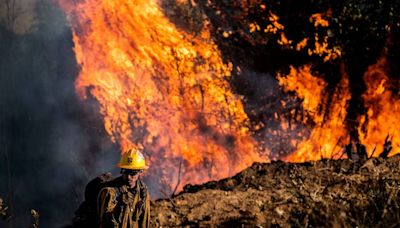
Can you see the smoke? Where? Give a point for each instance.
(270, 108)
(50, 145)
(18, 15)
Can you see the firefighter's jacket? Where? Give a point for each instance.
(120, 207)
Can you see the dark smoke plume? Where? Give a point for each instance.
(50, 144)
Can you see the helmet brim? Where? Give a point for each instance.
(132, 167)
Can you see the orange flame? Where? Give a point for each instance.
(383, 111)
(161, 88)
(318, 20)
(328, 114)
(320, 47)
(327, 117)
(167, 91)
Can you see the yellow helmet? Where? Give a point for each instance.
(132, 159)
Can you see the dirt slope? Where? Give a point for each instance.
(325, 193)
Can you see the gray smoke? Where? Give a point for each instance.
(266, 102)
(50, 144)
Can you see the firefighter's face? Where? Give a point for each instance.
(131, 176)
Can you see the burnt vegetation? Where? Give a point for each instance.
(40, 115)
(363, 30)
(357, 192)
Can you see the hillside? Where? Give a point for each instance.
(327, 193)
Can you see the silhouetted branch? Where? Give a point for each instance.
(179, 177)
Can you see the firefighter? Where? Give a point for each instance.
(126, 204)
